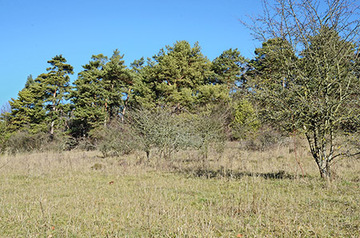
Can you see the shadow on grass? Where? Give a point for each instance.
(222, 173)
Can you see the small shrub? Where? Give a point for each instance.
(169, 132)
(86, 144)
(118, 139)
(265, 138)
(60, 142)
(160, 129)
(207, 129)
(97, 166)
(23, 141)
(245, 122)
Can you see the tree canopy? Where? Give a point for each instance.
(306, 76)
(303, 79)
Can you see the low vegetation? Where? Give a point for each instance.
(237, 193)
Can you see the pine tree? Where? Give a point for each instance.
(177, 76)
(88, 97)
(117, 83)
(101, 93)
(27, 112)
(229, 68)
(274, 63)
(56, 87)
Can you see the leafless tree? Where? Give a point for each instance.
(322, 88)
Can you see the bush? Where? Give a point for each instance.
(60, 142)
(163, 130)
(87, 144)
(264, 139)
(160, 129)
(23, 141)
(207, 129)
(2, 137)
(170, 132)
(244, 120)
(117, 139)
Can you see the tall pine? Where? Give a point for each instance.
(56, 87)
(27, 111)
(101, 93)
(178, 76)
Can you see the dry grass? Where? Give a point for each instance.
(255, 194)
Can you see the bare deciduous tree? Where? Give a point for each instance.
(319, 91)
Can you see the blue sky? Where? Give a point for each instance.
(32, 32)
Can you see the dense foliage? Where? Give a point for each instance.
(178, 84)
(304, 79)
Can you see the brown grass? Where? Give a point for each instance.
(233, 193)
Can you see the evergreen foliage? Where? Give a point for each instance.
(27, 111)
(101, 93)
(229, 69)
(54, 89)
(301, 80)
(88, 98)
(178, 76)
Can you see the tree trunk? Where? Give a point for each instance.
(125, 104)
(106, 114)
(52, 130)
(319, 153)
(325, 171)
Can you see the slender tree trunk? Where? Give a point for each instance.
(52, 130)
(125, 105)
(323, 163)
(324, 169)
(318, 151)
(106, 114)
(52, 125)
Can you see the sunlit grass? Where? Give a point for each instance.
(65, 195)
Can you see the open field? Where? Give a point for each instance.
(235, 194)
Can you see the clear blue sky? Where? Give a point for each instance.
(32, 32)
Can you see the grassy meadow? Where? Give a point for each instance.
(235, 193)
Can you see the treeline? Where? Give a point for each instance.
(178, 80)
(305, 83)
(305, 79)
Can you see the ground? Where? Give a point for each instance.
(235, 193)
